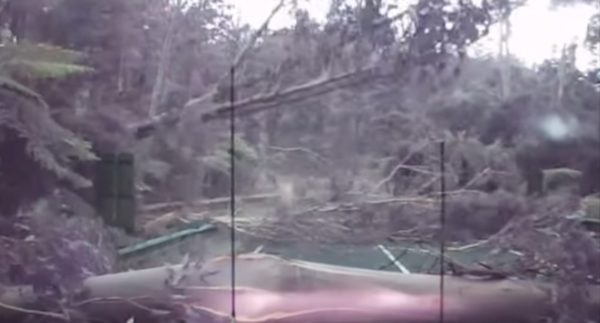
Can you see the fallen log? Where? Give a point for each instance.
(211, 203)
(270, 289)
(273, 289)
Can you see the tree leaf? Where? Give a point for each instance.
(20, 89)
(38, 52)
(43, 69)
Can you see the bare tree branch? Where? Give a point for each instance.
(147, 128)
(172, 206)
(300, 149)
(21, 310)
(402, 165)
(258, 103)
(135, 302)
(239, 59)
(242, 55)
(163, 66)
(316, 87)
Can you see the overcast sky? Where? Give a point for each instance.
(537, 30)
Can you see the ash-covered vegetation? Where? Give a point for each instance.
(337, 140)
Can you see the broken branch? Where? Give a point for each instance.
(316, 87)
(398, 167)
(21, 310)
(300, 149)
(172, 206)
(239, 59)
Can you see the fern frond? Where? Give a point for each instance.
(42, 69)
(18, 89)
(39, 52)
(81, 149)
(48, 143)
(40, 151)
(46, 159)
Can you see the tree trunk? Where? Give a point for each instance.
(271, 289)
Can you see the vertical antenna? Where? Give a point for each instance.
(442, 226)
(232, 188)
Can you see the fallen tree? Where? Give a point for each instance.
(273, 289)
(221, 202)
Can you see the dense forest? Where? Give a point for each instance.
(351, 132)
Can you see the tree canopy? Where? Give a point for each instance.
(336, 138)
